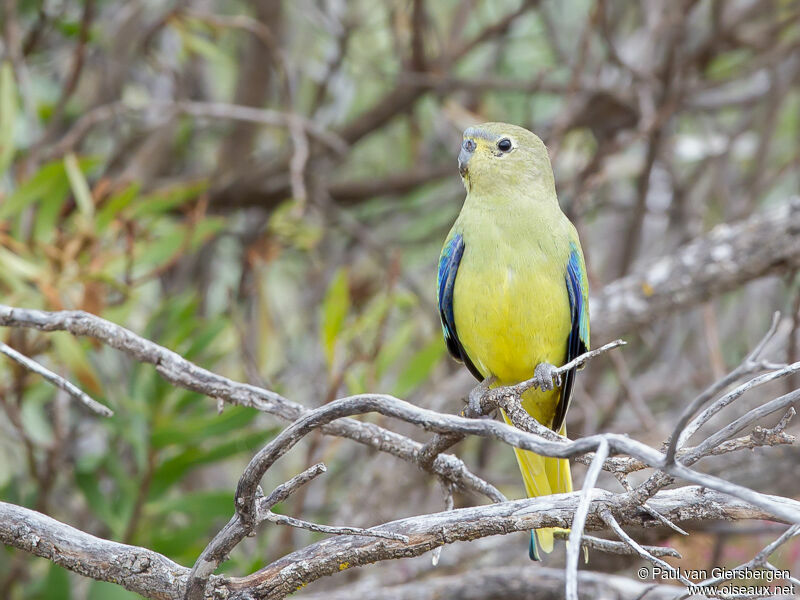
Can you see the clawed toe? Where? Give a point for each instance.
(546, 376)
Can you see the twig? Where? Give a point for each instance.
(448, 505)
(613, 547)
(747, 366)
(718, 405)
(579, 522)
(524, 386)
(506, 582)
(208, 110)
(299, 523)
(284, 490)
(57, 381)
(183, 373)
(759, 560)
(609, 520)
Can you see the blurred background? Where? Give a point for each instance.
(264, 187)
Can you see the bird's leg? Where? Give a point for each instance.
(545, 374)
(475, 396)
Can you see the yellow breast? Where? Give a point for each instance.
(511, 309)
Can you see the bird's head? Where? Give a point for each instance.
(499, 155)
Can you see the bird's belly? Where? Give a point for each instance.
(510, 320)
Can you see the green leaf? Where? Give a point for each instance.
(172, 470)
(102, 590)
(196, 430)
(334, 312)
(211, 504)
(10, 262)
(392, 350)
(47, 179)
(166, 200)
(49, 210)
(35, 422)
(99, 503)
(8, 114)
(80, 188)
(419, 367)
(114, 205)
(56, 584)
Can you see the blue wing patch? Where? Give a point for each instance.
(448, 269)
(578, 340)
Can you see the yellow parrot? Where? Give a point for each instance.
(512, 287)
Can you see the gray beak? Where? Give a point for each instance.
(467, 148)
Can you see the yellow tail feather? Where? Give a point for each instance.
(544, 476)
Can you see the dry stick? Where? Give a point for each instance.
(235, 530)
(207, 110)
(56, 380)
(186, 374)
(246, 496)
(507, 398)
(744, 421)
(769, 437)
(646, 507)
(578, 361)
(502, 582)
(579, 521)
(733, 395)
(284, 490)
(426, 532)
(613, 547)
(750, 364)
(152, 575)
(609, 520)
(448, 505)
(301, 524)
(183, 373)
(444, 441)
(759, 560)
(747, 366)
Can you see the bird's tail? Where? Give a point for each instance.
(543, 476)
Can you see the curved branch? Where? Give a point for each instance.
(136, 569)
(427, 532)
(183, 373)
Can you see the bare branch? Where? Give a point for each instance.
(429, 531)
(609, 520)
(682, 431)
(508, 583)
(300, 524)
(183, 373)
(578, 361)
(136, 569)
(722, 260)
(284, 490)
(57, 381)
(613, 547)
(579, 521)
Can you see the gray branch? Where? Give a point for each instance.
(183, 373)
(56, 380)
(136, 569)
(154, 576)
(509, 583)
(722, 260)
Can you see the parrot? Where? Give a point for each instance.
(512, 288)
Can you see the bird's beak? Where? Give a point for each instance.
(467, 148)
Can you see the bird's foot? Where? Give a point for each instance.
(544, 376)
(476, 395)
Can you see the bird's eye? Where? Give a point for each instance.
(504, 145)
